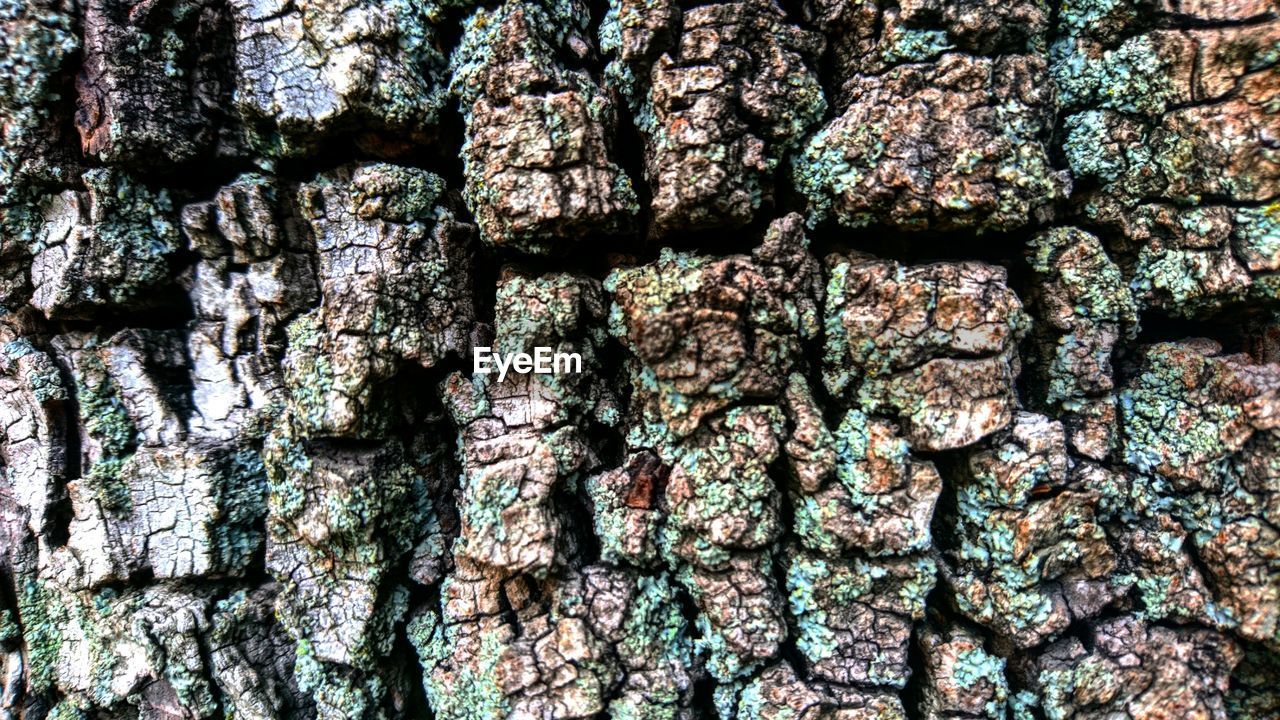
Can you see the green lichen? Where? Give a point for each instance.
(824, 170)
(1188, 282)
(1059, 686)
(820, 588)
(1000, 579)
(1088, 135)
(43, 620)
(1135, 77)
(1023, 705)
(107, 487)
(904, 44)
(864, 456)
(10, 631)
(101, 409)
(725, 481)
(319, 396)
(618, 74)
(722, 661)
(549, 31)
(338, 693)
(395, 193)
(654, 630)
(815, 639)
(1073, 269)
(66, 709)
(839, 170)
(240, 495)
(1256, 236)
(108, 423)
(56, 623)
(39, 38)
(609, 518)
(474, 691)
(135, 225)
(412, 96)
(42, 375)
(555, 20)
(975, 666)
(1158, 394)
(353, 691)
(754, 702)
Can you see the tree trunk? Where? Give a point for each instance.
(639, 359)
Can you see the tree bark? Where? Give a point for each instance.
(928, 359)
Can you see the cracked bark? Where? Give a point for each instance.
(929, 359)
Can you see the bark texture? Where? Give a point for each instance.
(930, 359)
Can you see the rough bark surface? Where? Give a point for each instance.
(930, 359)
